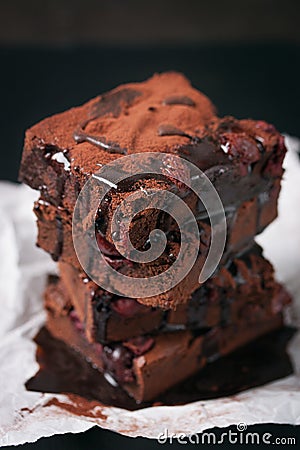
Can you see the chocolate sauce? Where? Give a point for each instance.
(204, 154)
(111, 147)
(59, 238)
(197, 308)
(229, 124)
(39, 158)
(211, 345)
(178, 100)
(170, 130)
(117, 361)
(63, 371)
(101, 217)
(101, 312)
(111, 103)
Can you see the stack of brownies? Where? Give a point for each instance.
(147, 345)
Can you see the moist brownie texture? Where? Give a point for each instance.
(147, 345)
(243, 223)
(246, 288)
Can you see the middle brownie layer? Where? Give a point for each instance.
(245, 288)
(243, 223)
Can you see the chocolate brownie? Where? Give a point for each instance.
(55, 237)
(242, 158)
(146, 366)
(244, 289)
(243, 223)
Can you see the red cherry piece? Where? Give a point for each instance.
(240, 146)
(264, 126)
(118, 362)
(139, 345)
(128, 307)
(106, 247)
(76, 321)
(118, 263)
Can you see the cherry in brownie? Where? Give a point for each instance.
(243, 223)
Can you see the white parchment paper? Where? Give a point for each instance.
(23, 270)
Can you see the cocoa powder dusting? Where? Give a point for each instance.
(79, 406)
(127, 121)
(128, 118)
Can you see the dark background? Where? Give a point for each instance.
(55, 54)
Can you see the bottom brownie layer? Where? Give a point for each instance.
(148, 366)
(64, 371)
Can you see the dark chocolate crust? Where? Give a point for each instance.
(245, 289)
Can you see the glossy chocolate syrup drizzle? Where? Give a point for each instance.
(111, 147)
(59, 238)
(170, 130)
(110, 103)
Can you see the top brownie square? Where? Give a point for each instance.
(162, 114)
